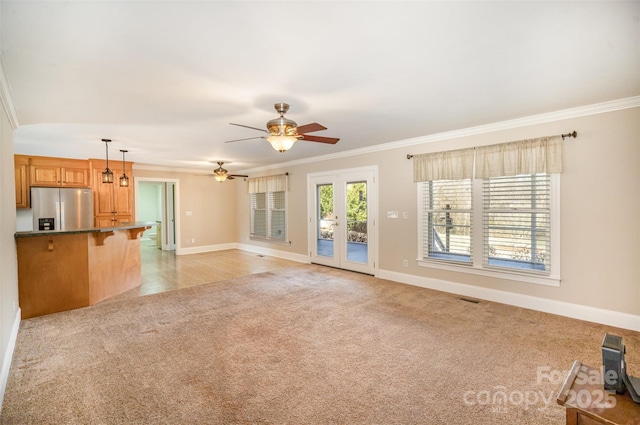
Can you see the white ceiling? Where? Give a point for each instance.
(164, 79)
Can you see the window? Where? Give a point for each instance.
(504, 221)
(268, 215)
(447, 211)
(491, 226)
(516, 222)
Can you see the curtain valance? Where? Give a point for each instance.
(532, 156)
(543, 155)
(448, 165)
(277, 183)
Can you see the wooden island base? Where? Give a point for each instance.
(61, 271)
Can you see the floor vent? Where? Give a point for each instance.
(469, 300)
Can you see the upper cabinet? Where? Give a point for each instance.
(59, 172)
(112, 204)
(21, 164)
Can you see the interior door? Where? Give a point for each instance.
(342, 215)
(169, 242)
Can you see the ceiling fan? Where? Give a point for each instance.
(282, 132)
(221, 174)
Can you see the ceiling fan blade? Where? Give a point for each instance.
(247, 138)
(237, 175)
(310, 128)
(330, 140)
(248, 126)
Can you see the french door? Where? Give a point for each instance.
(342, 219)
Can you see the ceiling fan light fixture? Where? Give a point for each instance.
(282, 143)
(282, 127)
(220, 174)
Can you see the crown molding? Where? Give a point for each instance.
(154, 167)
(5, 97)
(582, 111)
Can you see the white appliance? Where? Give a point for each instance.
(61, 209)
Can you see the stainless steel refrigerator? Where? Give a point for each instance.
(61, 209)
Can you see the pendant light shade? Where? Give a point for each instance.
(124, 180)
(107, 174)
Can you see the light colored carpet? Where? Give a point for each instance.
(301, 345)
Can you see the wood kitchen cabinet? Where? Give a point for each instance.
(21, 164)
(58, 172)
(112, 204)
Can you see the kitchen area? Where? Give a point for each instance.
(76, 239)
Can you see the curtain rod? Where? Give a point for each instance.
(573, 134)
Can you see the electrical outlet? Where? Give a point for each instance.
(405, 215)
(405, 263)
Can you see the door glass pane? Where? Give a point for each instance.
(357, 222)
(326, 220)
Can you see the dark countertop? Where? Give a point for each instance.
(134, 225)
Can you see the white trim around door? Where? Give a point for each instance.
(342, 210)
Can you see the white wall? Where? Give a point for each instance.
(9, 313)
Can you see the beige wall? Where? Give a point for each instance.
(600, 210)
(212, 206)
(8, 258)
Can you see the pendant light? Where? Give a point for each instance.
(107, 175)
(124, 180)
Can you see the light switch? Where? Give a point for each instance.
(392, 214)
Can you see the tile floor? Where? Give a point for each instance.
(164, 271)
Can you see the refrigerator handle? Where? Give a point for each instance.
(60, 215)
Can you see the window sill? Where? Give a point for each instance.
(495, 273)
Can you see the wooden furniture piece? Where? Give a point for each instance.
(58, 172)
(112, 204)
(60, 270)
(21, 165)
(587, 402)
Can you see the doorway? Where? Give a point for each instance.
(157, 201)
(342, 228)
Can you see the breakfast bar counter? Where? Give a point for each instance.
(64, 270)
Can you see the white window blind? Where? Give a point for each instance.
(258, 214)
(277, 216)
(446, 215)
(516, 222)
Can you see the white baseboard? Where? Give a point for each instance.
(300, 258)
(206, 248)
(561, 308)
(8, 356)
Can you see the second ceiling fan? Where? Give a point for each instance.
(282, 132)
(221, 174)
